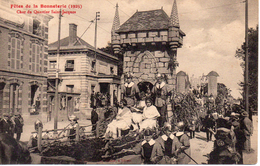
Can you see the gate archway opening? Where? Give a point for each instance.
(145, 86)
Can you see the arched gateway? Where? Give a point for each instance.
(148, 41)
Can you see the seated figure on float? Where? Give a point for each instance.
(150, 115)
(137, 111)
(122, 121)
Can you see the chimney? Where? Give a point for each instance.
(72, 33)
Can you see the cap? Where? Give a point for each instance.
(73, 117)
(159, 75)
(244, 114)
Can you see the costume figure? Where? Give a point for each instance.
(122, 121)
(150, 150)
(150, 115)
(183, 147)
(168, 142)
(129, 91)
(160, 91)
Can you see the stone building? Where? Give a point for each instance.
(80, 74)
(24, 60)
(148, 41)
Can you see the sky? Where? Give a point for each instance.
(214, 30)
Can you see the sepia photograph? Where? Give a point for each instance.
(129, 82)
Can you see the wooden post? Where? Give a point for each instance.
(77, 133)
(97, 128)
(39, 139)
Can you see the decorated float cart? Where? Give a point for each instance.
(91, 146)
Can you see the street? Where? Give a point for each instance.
(200, 148)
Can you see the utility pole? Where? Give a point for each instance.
(57, 80)
(95, 40)
(246, 59)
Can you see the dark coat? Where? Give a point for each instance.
(12, 152)
(18, 125)
(5, 126)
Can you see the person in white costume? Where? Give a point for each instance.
(122, 121)
(137, 112)
(150, 114)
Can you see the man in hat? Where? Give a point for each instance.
(130, 90)
(18, 129)
(160, 92)
(246, 126)
(5, 125)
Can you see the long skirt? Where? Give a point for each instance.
(114, 125)
(147, 123)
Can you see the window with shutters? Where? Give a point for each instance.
(35, 60)
(15, 53)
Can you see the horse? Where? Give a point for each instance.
(13, 152)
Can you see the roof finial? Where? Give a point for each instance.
(116, 22)
(174, 19)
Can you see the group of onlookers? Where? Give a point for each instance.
(231, 132)
(12, 124)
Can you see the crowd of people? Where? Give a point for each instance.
(12, 125)
(144, 111)
(140, 110)
(232, 136)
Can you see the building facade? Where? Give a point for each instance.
(148, 41)
(82, 70)
(24, 60)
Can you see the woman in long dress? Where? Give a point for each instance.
(122, 121)
(150, 114)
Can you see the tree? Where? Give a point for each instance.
(108, 49)
(252, 66)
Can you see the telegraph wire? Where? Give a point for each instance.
(210, 8)
(118, 8)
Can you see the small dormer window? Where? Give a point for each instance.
(36, 27)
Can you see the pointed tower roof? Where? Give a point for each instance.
(174, 19)
(116, 22)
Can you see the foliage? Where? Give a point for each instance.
(109, 49)
(185, 108)
(172, 64)
(253, 66)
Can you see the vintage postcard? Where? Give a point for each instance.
(128, 82)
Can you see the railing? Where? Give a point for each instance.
(62, 133)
